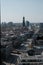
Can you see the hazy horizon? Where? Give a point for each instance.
(14, 10)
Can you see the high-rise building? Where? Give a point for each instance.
(27, 23)
(41, 27)
(23, 21)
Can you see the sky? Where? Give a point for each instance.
(14, 10)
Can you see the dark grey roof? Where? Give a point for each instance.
(12, 59)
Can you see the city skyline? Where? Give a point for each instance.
(14, 10)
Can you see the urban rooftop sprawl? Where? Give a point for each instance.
(21, 43)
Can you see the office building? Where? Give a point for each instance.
(23, 21)
(27, 23)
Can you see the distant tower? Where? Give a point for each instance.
(23, 21)
(41, 27)
(27, 23)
